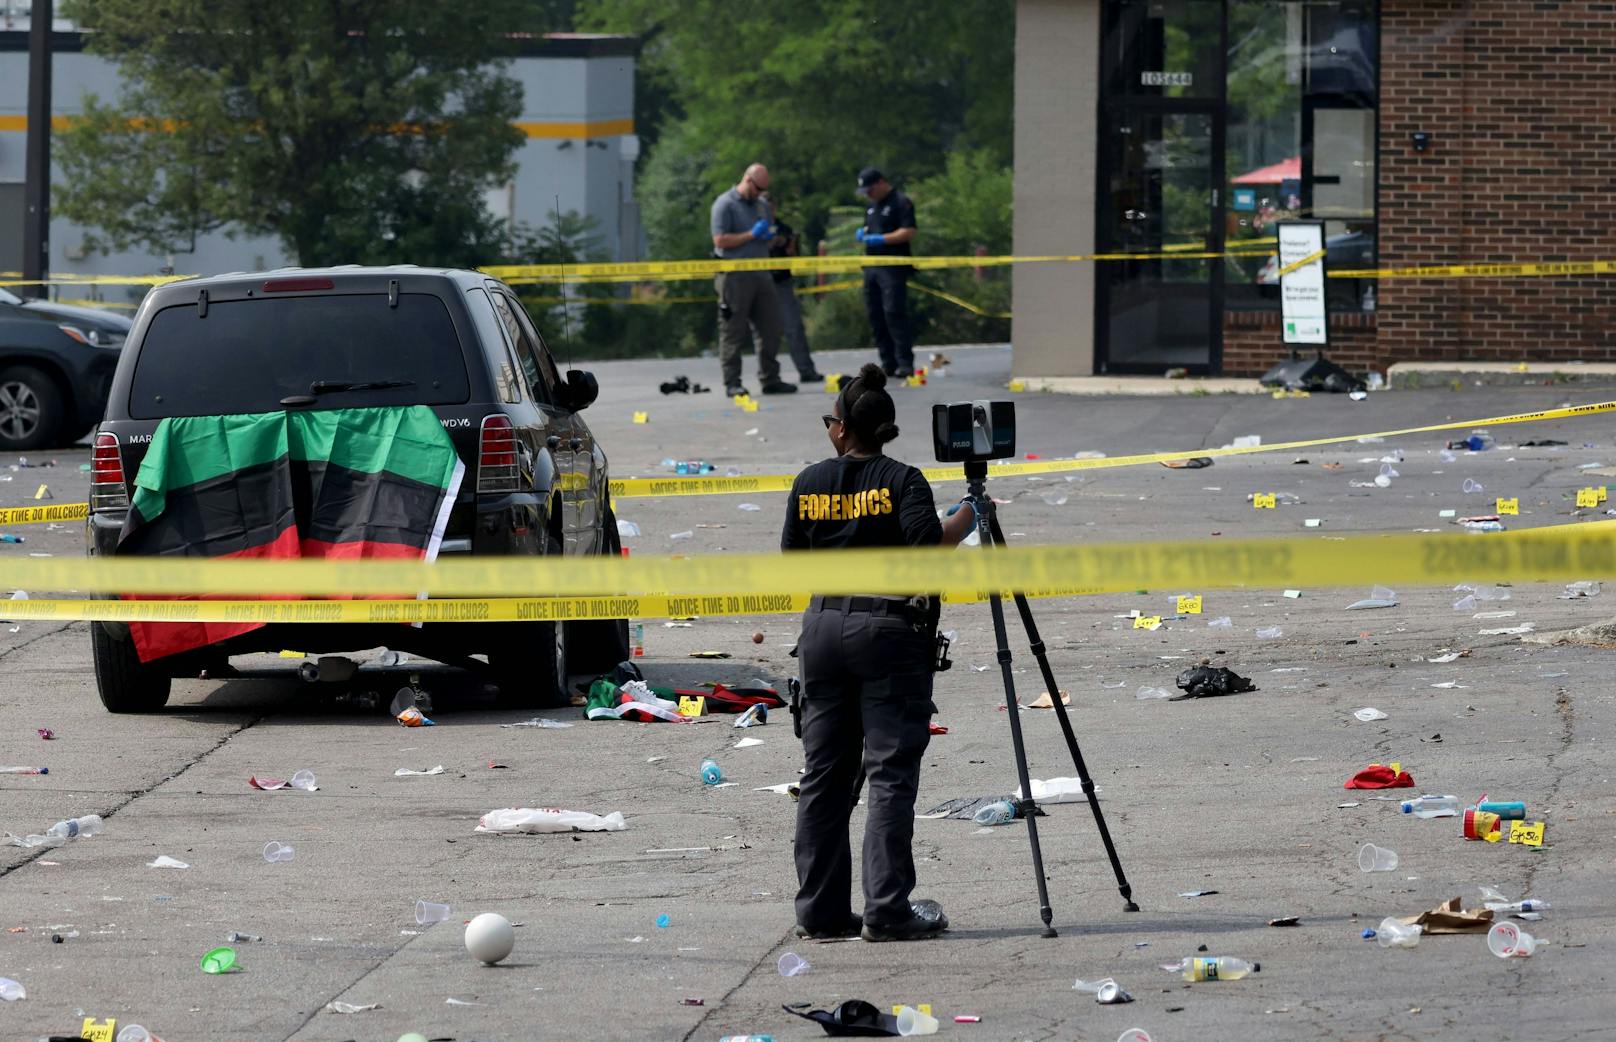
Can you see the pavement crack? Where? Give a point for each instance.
(724, 998)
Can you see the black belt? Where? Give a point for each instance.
(873, 605)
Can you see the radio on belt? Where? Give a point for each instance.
(963, 432)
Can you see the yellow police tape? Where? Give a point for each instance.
(631, 488)
(639, 271)
(1575, 551)
(645, 488)
(39, 515)
(488, 609)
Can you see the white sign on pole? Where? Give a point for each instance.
(1301, 292)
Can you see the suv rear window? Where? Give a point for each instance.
(247, 355)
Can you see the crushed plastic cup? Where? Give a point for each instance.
(793, 965)
(1376, 859)
(275, 851)
(1383, 593)
(1135, 1035)
(1222, 622)
(1472, 487)
(1055, 497)
(428, 912)
(1508, 941)
(1393, 934)
(1369, 714)
(1152, 692)
(1465, 603)
(1270, 632)
(304, 780)
(11, 991)
(219, 960)
(1384, 480)
(913, 1022)
(627, 529)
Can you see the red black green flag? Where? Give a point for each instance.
(343, 484)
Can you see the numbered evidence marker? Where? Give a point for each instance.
(1587, 497)
(833, 383)
(924, 1007)
(1528, 833)
(1264, 500)
(1509, 506)
(1189, 605)
(642, 417)
(692, 706)
(98, 1032)
(1147, 622)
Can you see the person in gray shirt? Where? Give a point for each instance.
(743, 227)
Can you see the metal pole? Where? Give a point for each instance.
(36, 192)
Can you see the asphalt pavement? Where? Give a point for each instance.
(1239, 797)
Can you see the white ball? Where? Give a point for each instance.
(489, 937)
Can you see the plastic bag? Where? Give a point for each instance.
(549, 819)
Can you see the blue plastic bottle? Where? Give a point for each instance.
(711, 773)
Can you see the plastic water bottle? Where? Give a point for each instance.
(89, 825)
(1432, 806)
(639, 640)
(711, 773)
(1000, 813)
(1512, 907)
(1222, 967)
(747, 1038)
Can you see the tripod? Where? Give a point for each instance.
(987, 527)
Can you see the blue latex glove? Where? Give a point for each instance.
(955, 508)
(875, 239)
(760, 230)
(859, 235)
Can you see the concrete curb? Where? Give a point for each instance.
(1417, 375)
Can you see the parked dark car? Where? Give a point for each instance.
(456, 341)
(56, 364)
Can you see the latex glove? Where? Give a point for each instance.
(874, 239)
(962, 503)
(760, 230)
(859, 235)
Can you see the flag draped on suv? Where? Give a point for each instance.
(343, 483)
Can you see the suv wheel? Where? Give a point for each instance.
(529, 659)
(126, 685)
(597, 645)
(31, 412)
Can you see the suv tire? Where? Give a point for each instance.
(597, 645)
(529, 659)
(31, 409)
(126, 684)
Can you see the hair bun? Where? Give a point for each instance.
(886, 432)
(871, 375)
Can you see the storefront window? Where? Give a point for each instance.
(1300, 140)
(1165, 48)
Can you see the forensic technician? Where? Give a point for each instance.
(889, 228)
(743, 226)
(867, 665)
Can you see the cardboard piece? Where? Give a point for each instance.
(1450, 917)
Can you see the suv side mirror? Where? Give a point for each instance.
(581, 389)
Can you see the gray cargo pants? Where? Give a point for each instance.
(746, 298)
(867, 682)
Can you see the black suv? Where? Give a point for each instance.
(456, 341)
(56, 363)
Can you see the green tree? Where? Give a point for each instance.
(816, 90)
(353, 130)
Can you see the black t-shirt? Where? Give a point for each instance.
(846, 502)
(888, 215)
(781, 246)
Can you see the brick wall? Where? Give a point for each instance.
(1520, 102)
(1251, 343)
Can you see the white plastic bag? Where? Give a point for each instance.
(549, 819)
(1057, 790)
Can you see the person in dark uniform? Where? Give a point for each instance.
(889, 228)
(867, 665)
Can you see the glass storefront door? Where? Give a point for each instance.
(1160, 198)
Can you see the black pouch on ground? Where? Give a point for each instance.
(1209, 681)
(854, 1018)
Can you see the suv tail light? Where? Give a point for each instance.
(107, 488)
(496, 456)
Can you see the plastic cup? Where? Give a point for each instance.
(1376, 859)
(1135, 1035)
(792, 965)
(427, 912)
(275, 851)
(219, 960)
(1393, 934)
(913, 1022)
(1471, 486)
(1508, 941)
(304, 780)
(134, 1033)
